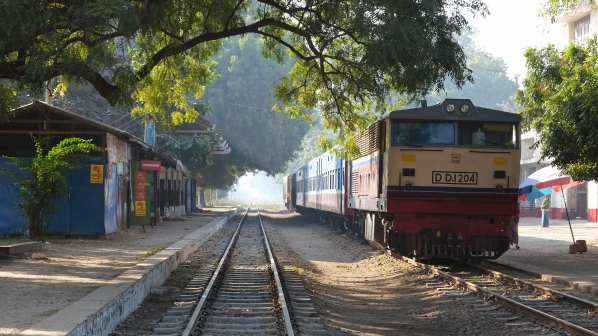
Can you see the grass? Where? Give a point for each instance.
(152, 252)
(91, 289)
(290, 268)
(13, 240)
(48, 313)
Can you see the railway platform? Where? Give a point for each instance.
(52, 293)
(544, 251)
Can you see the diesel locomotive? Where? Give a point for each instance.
(431, 182)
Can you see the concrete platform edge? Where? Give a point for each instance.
(541, 273)
(101, 311)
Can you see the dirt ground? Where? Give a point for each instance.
(356, 289)
(359, 290)
(37, 285)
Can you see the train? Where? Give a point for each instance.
(431, 182)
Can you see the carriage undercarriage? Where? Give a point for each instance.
(423, 245)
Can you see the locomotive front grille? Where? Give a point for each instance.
(423, 246)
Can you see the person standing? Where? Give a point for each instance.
(546, 211)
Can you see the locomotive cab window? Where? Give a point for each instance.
(479, 134)
(423, 133)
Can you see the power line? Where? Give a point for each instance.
(492, 70)
(257, 108)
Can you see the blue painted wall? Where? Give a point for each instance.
(11, 220)
(83, 212)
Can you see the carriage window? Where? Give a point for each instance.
(423, 133)
(487, 134)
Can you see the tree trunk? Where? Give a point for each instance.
(202, 198)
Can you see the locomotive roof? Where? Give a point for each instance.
(440, 111)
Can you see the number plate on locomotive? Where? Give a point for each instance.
(444, 177)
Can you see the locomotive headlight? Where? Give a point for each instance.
(464, 108)
(499, 188)
(408, 186)
(450, 108)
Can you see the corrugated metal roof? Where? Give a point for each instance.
(100, 125)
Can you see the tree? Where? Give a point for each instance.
(491, 87)
(554, 9)
(155, 55)
(560, 101)
(41, 181)
(260, 138)
(194, 150)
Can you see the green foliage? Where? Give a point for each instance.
(194, 150)
(560, 101)
(260, 139)
(309, 148)
(41, 182)
(154, 55)
(491, 87)
(8, 102)
(554, 9)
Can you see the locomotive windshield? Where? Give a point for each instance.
(423, 133)
(472, 134)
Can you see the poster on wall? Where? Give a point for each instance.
(140, 193)
(140, 208)
(97, 174)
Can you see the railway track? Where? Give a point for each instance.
(524, 306)
(243, 293)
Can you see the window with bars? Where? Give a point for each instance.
(582, 29)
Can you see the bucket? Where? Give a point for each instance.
(582, 245)
(574, 248)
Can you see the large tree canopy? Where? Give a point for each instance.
(156, 54)
(560, 101)
(241, 101)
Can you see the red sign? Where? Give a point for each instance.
(140, 186)
(151, 165)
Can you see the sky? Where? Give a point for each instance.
(511, 27)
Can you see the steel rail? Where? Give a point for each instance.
(554, 321)
(206, 293)
(281, 298)
(540, 289)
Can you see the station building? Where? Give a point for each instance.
(581, 201)
(128, 184)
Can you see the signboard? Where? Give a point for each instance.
(151, 165)
(97, 174)
(140, 209)
(140, 185)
